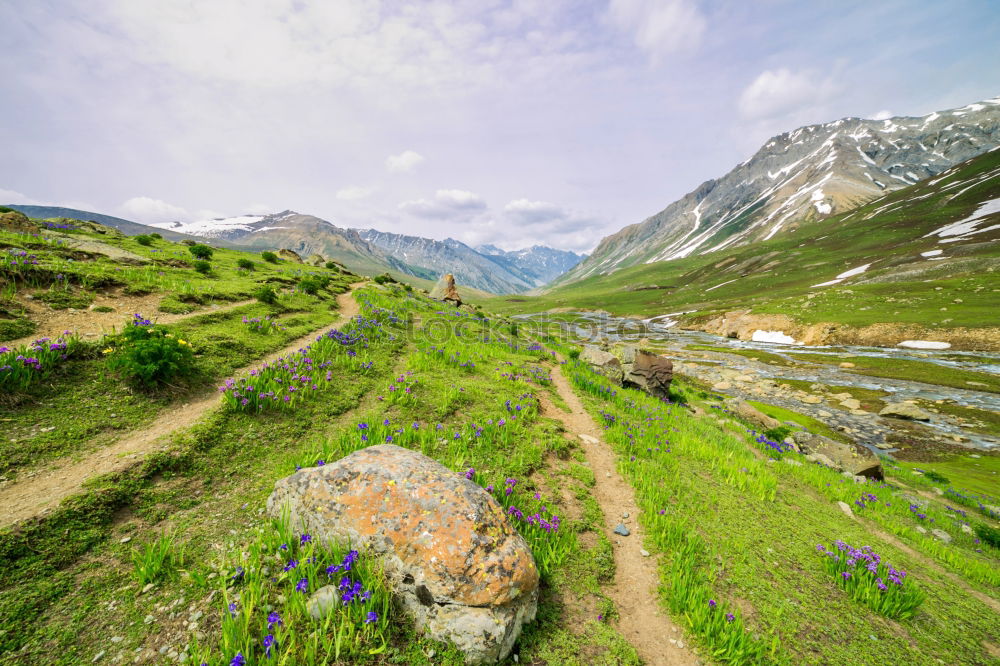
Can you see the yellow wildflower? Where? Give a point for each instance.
(108, 350)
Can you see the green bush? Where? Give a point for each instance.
(149, 356)
(269, 257)
(383, 279)
(987, 534)
(201, 251)
(573, 354)
(934, 476)
(5, 209)
(143, 239)
(266, 294)
(333, 266)
(311, 285)
(156, 236)
(202, 266)
(61, 299)
(778, 434)
(246, 264)
(104, 308)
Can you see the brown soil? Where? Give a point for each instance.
(89, 324)
(634, 590)
(40, 494)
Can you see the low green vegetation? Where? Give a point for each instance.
(753, 354)
(918, 371)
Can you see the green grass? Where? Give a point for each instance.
(755, 354)
(918, 371)
(814, 426)
(978, 475)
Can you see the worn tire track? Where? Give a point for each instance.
(40, 494)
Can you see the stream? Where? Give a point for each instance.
(748, 378)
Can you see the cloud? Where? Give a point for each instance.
(523, 211)
(403, 162)
(147, 209)
(779, 91)
(12, 197)
(659, 27)
(885, 114)
(446, 204)
(259, 209)
(354, 192)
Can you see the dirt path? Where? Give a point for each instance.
(40, 494)
(89, 324)
(641, 620)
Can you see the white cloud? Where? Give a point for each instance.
(259, 209)
(779, 91)
(354, 192)
(446, 204)
(147, 209)
(12, 197)
(403, 162)
(659, 27)
(885, 114)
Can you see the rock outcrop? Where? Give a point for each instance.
(316, 260)
(453, 560)
(650, 372)
(17, 222)
(445, 290)
(603, 362)
(748, 412)
(854, 459)
(289, 255)
(905, 410)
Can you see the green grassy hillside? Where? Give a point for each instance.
(957, 288)
(143, 561)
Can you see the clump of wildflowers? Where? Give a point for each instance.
(863, 574)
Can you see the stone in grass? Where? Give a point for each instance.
(621, 530)
(453, 561)
(942, 535)
(604, 363)
(845, 507)
(905, 410)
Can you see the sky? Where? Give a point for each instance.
(511, 122)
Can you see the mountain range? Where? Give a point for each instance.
(811, 173)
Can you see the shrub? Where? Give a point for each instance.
(989, 535)
(201, 251)
(934, 476)
(778, 434)
(245, 264)
(269, 257)
(332, 265)
(156, 560)
(202, 266)
(143, 239)
(574, 354)
(383, 279)
(156, 236)
(104, 308)
(6, 209)
(11, 329)
(265, 294)
(61, 299)
(149, 356)
(313, 283)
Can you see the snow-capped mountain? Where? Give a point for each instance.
(806, 174)
(542, 264)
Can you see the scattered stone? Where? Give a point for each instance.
(621, 530)
(147, 587)
(846, 509)
(921, 529)
(967, 529)
(117, 639)
(812, 399)
(942, 535)
(721, 386)
(645, 553)
(604, 363)
(624, 515)
(445, 290)
(451, 557)
(589, 439)
(905, 410)
(125, 539)
(195, 616)
(794, 463)
(316, 260)
(846, 364)
(322, 601)
(851, 403)
(98, 656)
(823, 414)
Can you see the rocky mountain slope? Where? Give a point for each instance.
(127, 227)
(809, 174)
(305, 234)
(486, 267)
(540, 263)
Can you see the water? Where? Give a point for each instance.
(660, 332)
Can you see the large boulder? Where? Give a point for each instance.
(603, 362)
(445, 290)
(316, 260)
(748, 412)
(854, 459)
(453, 560)
(651, 373)
(905, 410)
(289, 255)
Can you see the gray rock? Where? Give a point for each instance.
(942, 535)
(603, 362)
(968, 530)
(905, 410)
(322, 600)
(445, 290)
(650, 373)
(621, 530)
(453, 560)
(846, 509)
